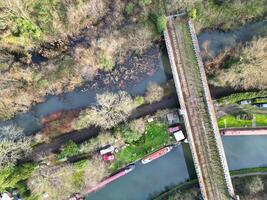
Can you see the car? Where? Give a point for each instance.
(108, 149)
(174, 129)
(108, 157)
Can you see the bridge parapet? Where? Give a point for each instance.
(200, 120)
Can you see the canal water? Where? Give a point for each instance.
(149, 180)
(146, 181)
(85, 96)
(219, 40)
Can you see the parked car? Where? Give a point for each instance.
(108, 149)
(174, 129)
(108, 157)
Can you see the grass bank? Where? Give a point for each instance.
(188, 190)
(155, 137)
(230, 121)
(236, 97)
(248, 171)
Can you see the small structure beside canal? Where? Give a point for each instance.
(244, 131)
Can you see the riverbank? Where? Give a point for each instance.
(192, 188)
(85, 134)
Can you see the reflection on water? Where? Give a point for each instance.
(153, 178)
(147, 180)
(218, 40)
(84, 98)
(245, 151)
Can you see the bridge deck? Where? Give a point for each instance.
(200, 119)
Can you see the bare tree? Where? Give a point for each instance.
(95, 171)
(111, 109)
(53, 183)
(141, 39)
(14, 145)
(255, 185)
(251, 70)
(154, 93)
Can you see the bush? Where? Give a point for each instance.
(154, 93)
(139, 100)
(138, 125)
(11, 176)
(141, 39)
(129, 135)
(193, 13)
(68, 150)
(145, 2)
(161, 23)
(25, 27)
(106, 63)
(129, 8)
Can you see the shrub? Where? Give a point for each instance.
(139, 100)
(129, 135)
(11, 176)
(154, 93)
(145, 2)
(133, 131)
(129, 8)
(193, 13)
(138, 125)
(69, 149)
(161, 23)
(80, 165)
(25, 27)
(106, 63)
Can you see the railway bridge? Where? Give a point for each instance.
(198, 111)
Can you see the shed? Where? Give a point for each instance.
(179, 135)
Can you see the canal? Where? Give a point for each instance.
(84, 96)
(147, 181)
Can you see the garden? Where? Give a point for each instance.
(154, 137)
(230, 121)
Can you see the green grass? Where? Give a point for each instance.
(229, 15)
(155, 137)
(232, 122)
(260, 100)
(236, 97)
(248, 170)
(189, 49)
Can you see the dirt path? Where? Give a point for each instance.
(85, 134)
